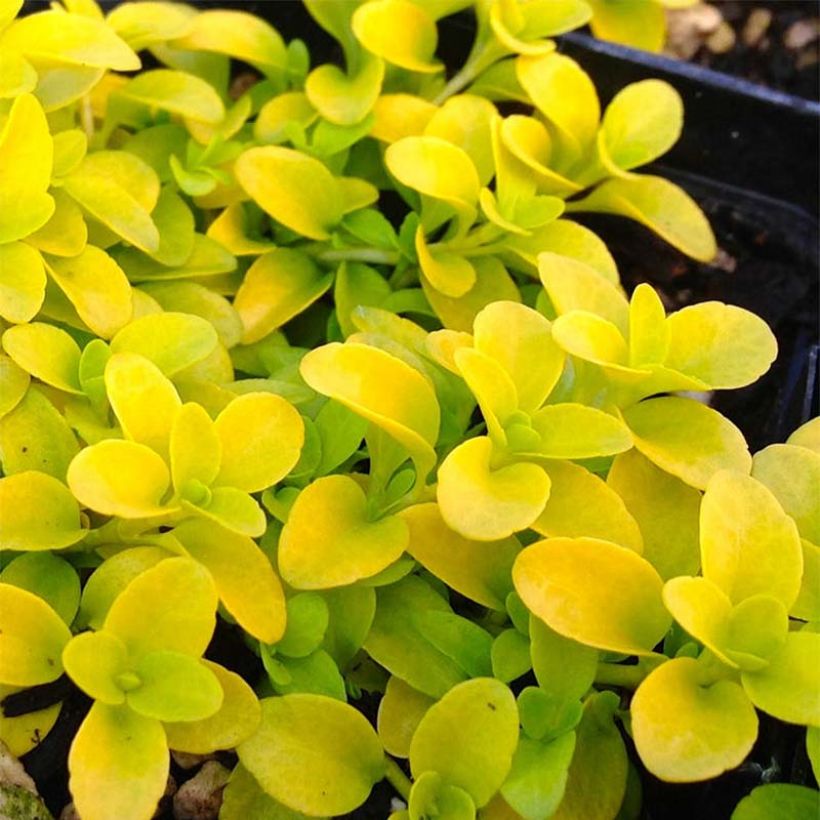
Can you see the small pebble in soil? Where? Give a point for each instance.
(200, 798)
(187, 761)
(19, 799)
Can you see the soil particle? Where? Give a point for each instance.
(200, 798)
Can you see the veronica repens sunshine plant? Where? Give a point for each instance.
(421, 457)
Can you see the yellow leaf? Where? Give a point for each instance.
(47, 353)
(329, 539)
(590, 337)
(93, 660)
(492, 387)
(14, 382)
(576, 431)
(65, 234)
(400, 711)
(261, 436)
(26, 155)
(344, 99)
(400, 115)
(553, 579)
(22, 733)
(270, 127)
(808, 435)
(176, 91)
(648, 328)
(146, 24)
(449, 273)
(634, 23)
(22, 282)
(194, 447)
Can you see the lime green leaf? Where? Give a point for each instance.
(174, 687)
(32, 637)
(536, 783)
(565, 95)
(590, 337)
(598, 772)
(492, 387)
(658, 204)
(341, 431)
(26, 153)
(177, 597)
(94, 661)
(245, 581)
(108, 580)
(576, 431)
(22, 282)
(479, 720)
(47, 576)
(271, 125)
(175, 224)
(22, 733)
(130, 778)
(14, 382)
(483, 503)
(431, 796)
(749, 546)
(468, 644)
(236, 720)
(580, 503)
(553, 580)
(308, 617)
(261, 436)
(686, 730)
(278, 286)
(47, 353)
(345, 99)
(74, 39)
(70, 148)
(520, 340)
(643, 121)
(172, 341)
(97, 288)
(144, 401)
(782, 800)
(438, 169)
(629, 22)
(478, 570)
(399, 31)
(295, 189)
(35, 436)
(808, 435)
(813, 748)
(400, 711)
(352, 610)
(551, 651)
(648, 329)
(149, 23)
(789, 687)
(757, 628)
(807, 605)
(328, 539)
(687, 439)
(314, 754)
(722, 345)
(396, 642)
(244, 799)
(175, 91)
(236, 34)
(231, 509)
(381, 388)
(792, 473)
(121, 478)
(510, 655)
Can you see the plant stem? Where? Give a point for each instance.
(397, 778)
(615, 674)
(373, 255)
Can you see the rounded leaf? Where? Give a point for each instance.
(468, 738)
(570, 430)
(400, 711)
(329, 540)
(22, 282)
(93, 660)
(315, 754)
(177, 92)
(553, 579)
(49, 577)
(686, 731)
(785, 801)
(47, 353)
(261, 436)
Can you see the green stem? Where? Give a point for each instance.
(478, 62)
(615, 674)
(397, 778)
(375, 256)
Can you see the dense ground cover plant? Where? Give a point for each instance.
(441, 456)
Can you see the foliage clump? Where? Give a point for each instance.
(440, 457)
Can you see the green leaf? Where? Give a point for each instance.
(510, 655)
(329, 539)
(575, 431)
(687, 730)
(666, 509)
(315, 674)
(749, 546)
(278, 286)
(129, 779)
(813, 748)
(465, 642)
(32, 637)
(400, 711)
(307, 621)
(782, 800)
(345, 99)
(486, 504)
(47, 576)
(687, 439)
(236, 720)
(177, 597)
(789, 687)
(26, 155)
(244, 799)
(172, 341)
(399, 31)
(477, 569)
(468, 738)
(95, 661)
(658, 204)
(535, 785)
(175, 91)
(643, 121)
(314, 754)
(295, 189)
(431, 796)
(808, 435)
(341, 432)
(352, 610)
(552, 579)
(551, 651)
(174, 687)
(14, 382)
(245, 580)
(39, 513)
(22, 282)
